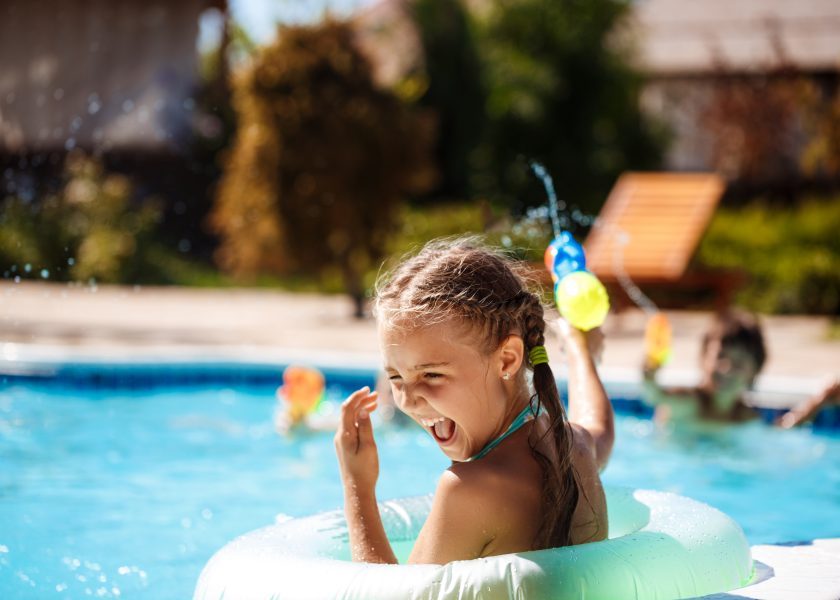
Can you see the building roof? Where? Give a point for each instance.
(97, 73)
(690, 37)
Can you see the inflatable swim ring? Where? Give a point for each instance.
(661, 546)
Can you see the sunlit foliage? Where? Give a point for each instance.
(89, 230)
(561, 90)
(791, 255)
(321, 162)
(454, 90)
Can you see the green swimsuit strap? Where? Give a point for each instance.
(525, 416)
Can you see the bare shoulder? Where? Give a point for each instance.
(470, 517)
(590, 519)
(503, 494)
(498, 483)
(583, 446)
(584, 458)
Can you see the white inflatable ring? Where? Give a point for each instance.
(661, 546)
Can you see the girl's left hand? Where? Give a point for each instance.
(358, 458)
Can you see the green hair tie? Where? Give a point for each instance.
(538, 356)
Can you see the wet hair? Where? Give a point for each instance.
(737, 329)
(462, 280)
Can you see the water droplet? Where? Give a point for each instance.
(71, 261)
(94, 104)
(45, 274)
(27, 267)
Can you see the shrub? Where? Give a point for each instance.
(88, 230)
(561, 90)
(792, 255)
(321, 161)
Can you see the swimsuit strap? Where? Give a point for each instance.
(525, 416)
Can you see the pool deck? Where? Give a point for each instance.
(46, 321)
(795, 571)
(118, 321)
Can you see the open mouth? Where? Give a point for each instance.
(442, 429)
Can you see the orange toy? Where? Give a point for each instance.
(302, 390)
(658, 340)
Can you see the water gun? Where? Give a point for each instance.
(581, 299)
(657, 340)
(302, 390)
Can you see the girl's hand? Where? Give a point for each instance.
(354, 444)
(574, 339)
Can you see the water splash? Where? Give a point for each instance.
(632, 290)
(627, 284)
(553, 206)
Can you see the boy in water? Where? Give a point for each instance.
(732, 355)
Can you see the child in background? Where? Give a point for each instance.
(459, 333)
(732, 354)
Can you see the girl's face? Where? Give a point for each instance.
(441, 379)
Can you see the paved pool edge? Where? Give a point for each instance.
(794, 570)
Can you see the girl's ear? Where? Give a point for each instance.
(511, 353)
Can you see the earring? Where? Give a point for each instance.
(506, 376)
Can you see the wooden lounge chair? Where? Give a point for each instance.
(648, 230)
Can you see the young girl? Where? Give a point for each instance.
(458, 333)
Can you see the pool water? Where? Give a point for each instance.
(126, 493)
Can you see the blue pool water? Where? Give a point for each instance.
(124, 488)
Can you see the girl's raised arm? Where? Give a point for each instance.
(589, 406)
(358, 460)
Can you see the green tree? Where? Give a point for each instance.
(321, 161)
(454, 90)
(90, 229)
(561, 91)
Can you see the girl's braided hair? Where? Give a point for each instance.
(461, 279)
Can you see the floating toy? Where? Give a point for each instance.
(658, 340)
(662, 546)
(302, 391)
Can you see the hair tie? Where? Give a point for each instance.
(538, 356)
